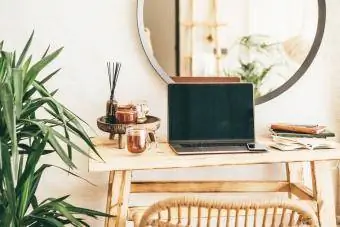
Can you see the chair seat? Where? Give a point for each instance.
(183, 211)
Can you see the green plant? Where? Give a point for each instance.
(25, 138)
(259, 43)
(253, 72)
(258, 56)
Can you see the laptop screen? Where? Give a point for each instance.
(211, 112)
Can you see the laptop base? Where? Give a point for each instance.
(178, 149)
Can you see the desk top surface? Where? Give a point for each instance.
(164, 158)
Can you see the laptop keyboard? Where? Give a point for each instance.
(211, 148)
(206, 145)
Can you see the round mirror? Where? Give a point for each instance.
(268, 43)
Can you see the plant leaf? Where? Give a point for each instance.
(17, 75)
(24, 51)
(6, 99)
(47, 221)
(52, 140)
(27, 64)
(47, 78)
(77, 130)
(40, 65)
(13, 60)
(46, 51)
(8, 183)
(54, 92)
(25, 182)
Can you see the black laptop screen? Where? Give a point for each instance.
(211, 112)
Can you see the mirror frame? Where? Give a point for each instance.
(265, 98)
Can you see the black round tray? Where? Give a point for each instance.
(152, 123)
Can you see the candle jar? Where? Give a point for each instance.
(126, 115)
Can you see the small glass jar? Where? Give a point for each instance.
(138, 139)
(111, 108)
(126, 115)
(142, 110)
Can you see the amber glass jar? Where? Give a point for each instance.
(126, 114)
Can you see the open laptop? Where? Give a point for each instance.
(211, 118)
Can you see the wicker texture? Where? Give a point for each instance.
(190, 211)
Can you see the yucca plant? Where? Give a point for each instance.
(258, 57)
(25, 138)
(253, 72)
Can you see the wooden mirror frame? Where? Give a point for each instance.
(265, 98)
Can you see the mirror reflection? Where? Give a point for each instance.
(261, 41)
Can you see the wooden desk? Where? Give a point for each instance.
(121, 163)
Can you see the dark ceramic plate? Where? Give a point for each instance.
(152, 123)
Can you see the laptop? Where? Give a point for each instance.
(211, 118)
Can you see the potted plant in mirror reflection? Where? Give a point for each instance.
(252, 72)
(258, 57)
(25, 138)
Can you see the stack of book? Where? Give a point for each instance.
(300, 131)
(287, 137)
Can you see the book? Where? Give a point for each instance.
(309, 129)
(283, 133)
(289, 144)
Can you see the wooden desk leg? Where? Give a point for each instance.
(323, 195)
(118, 198)
(288, 180)
(294, 174)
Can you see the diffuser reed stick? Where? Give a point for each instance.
(113, 73)
(113, 70)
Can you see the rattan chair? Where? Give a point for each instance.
(189, 211)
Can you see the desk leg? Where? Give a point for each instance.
(288, 180)
(118, 198)
(294, 174)
(323, 194)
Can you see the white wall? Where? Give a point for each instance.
(93, 32)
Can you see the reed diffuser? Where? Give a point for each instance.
(112, 104)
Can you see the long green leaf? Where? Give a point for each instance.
(88, 212)
(13, 59)
(7, 59)
(58, 112)
(67, 136)
(60, 151)
(8, 183)
(27, 64)
(47, 78)
(21, 163)
(46, 51)
(77, 130)
(3, 69)
(40, 65)
(38, 175)
(24, 52)
(47, 202)
(17, 75)
(67, 214)
(30, 92)
(47, 221)
(25, 182)
(54, 92)
(6, 99)
(68, 142)
(34, 202)
(34, 105)
(52, 140)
